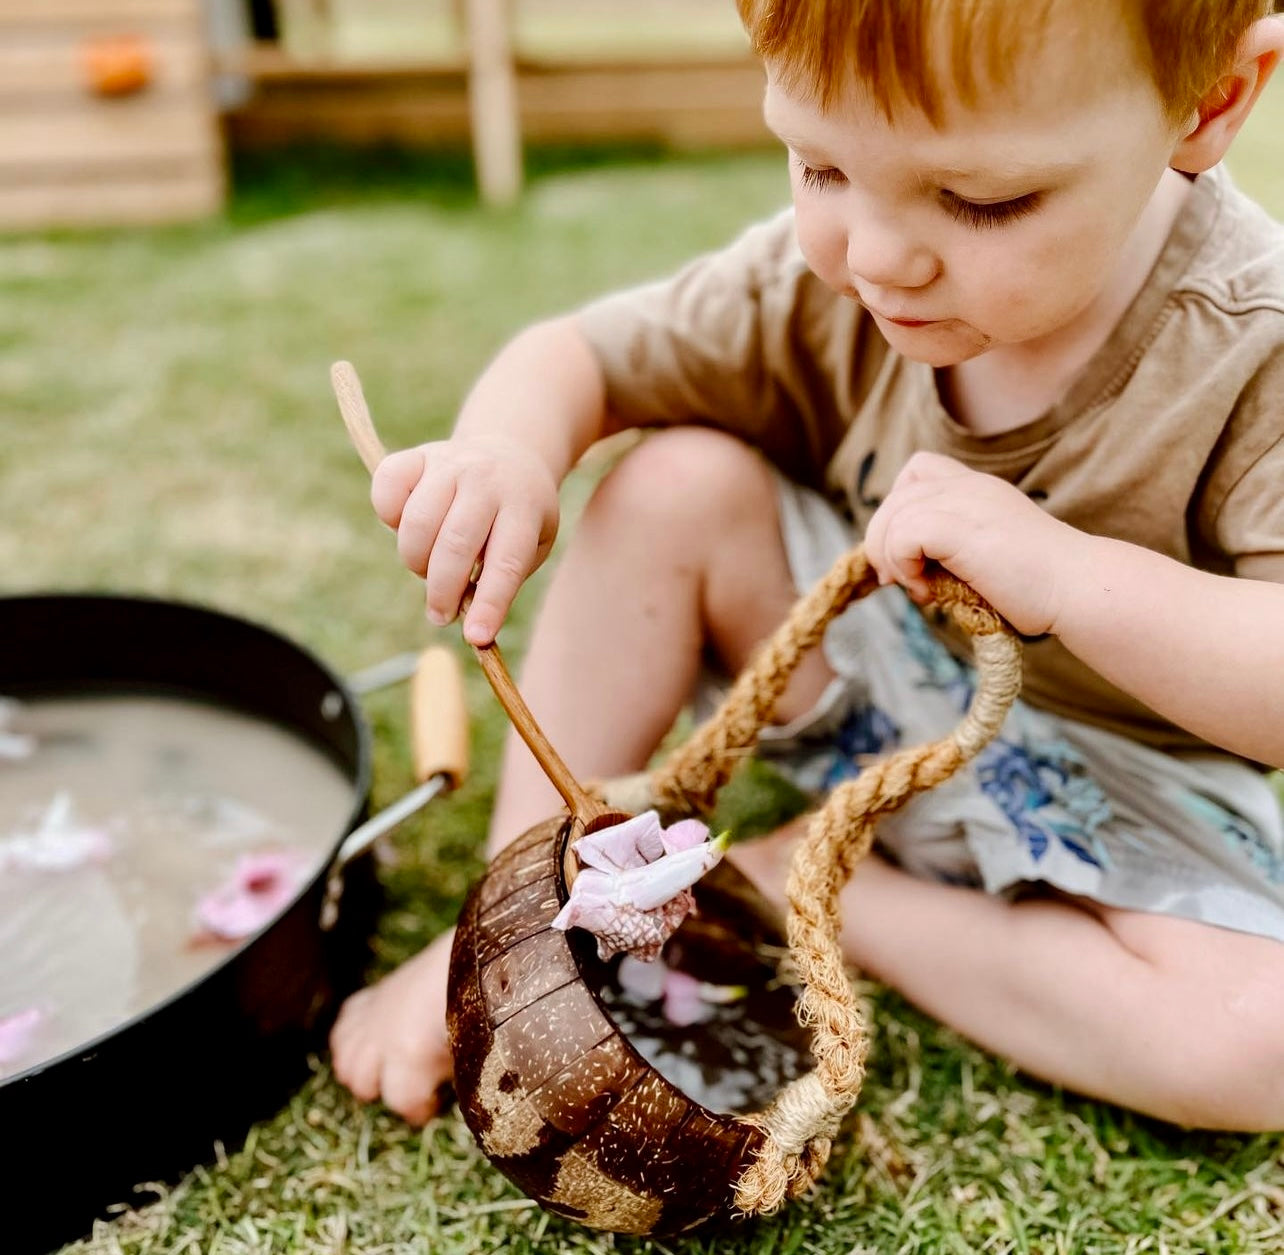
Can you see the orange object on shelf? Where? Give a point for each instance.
(117, 65)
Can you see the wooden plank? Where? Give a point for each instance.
(278, 122)
(271, 68)
(649, 90)
(94, 13)
(122, 131)
(706, 102)
(681, 107)
(143, 201)
(30, 70)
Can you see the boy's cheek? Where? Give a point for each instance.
(828, 263)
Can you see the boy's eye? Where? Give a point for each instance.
(991, 214)
(816, 178)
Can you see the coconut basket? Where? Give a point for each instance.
(558, 1097)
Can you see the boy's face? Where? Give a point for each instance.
(1011, 222)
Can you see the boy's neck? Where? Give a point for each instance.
(1011, 385)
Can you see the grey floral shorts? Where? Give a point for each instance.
(1050, 800)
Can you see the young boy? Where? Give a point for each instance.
(1018, 323)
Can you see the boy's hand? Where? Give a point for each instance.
(458, 502)
(982, 530)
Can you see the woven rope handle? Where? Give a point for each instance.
(802, 1121)
(689, 779)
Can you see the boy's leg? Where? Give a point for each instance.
(678, 555)
(1178, 1019)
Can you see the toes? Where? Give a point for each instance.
(354, 1058)
(358, 1069)
(389, 1041)
(410, 1088)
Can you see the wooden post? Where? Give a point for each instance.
(492, 102)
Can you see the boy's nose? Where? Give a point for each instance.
(881, 255)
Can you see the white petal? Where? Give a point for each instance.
(622, 846)
(652, 886)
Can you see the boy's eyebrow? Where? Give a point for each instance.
(1006, 171)
(1011, 170)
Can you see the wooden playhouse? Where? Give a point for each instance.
(119, 111)
(107, 113)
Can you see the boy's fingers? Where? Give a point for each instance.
(422, 519)
(455, 551)
(393, 482)
(925, 467)
(510, 557)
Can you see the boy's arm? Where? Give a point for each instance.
(545, 389)
(489, 494)
(1204, 651)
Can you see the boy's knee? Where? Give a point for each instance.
(683, 471)
(1232, 1077)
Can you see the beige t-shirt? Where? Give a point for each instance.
(1171, 437)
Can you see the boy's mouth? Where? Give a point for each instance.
(910, 322)
(900, 322)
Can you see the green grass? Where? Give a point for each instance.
(169, 429)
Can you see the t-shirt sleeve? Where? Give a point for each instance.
(1250, 519)
(742, 339)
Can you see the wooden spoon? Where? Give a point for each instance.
(588, 814)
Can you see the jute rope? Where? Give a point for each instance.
(802, 1121)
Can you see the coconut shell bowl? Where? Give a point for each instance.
(571, 1091)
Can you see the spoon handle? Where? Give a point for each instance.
(356, 414)
(361, 431)
(582, 805)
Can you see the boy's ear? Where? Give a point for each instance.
(1223, 109)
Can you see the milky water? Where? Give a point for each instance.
(116, 815)
(739, 1054)
(731, 1063)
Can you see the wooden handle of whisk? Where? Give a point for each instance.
(438, 718)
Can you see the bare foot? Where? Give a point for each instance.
(389, 1041)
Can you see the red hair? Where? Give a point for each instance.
(908, 51)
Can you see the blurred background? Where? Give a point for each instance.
(140, 101)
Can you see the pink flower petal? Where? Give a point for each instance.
(16, 1034)
(683, 835)
(684, 1002)
(260, 886)
(651, 886)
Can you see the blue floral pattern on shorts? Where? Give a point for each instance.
(1242, 837)
(1041, 785)
(1084, 809)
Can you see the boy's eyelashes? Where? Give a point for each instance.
(978, 214)
(981, 214)
(814, 178)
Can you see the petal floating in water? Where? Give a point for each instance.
(260, 886)
(685, 999)
(16, 1034)
(59, 843)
